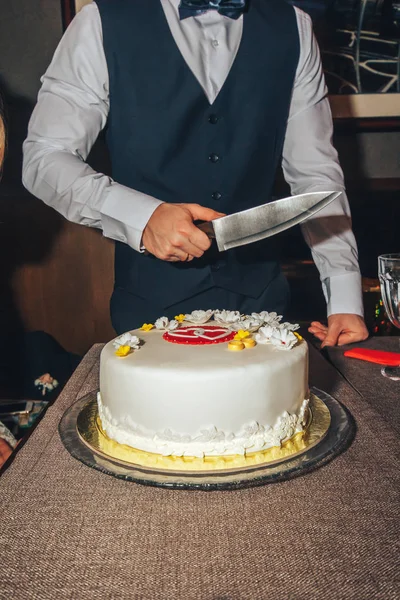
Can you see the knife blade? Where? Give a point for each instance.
(260, 222)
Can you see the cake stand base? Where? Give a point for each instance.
(330, 431)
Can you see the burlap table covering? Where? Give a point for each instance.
(68, 531)
(365, 377)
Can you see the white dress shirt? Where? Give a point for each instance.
(73, 106)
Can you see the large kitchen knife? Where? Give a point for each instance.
(263, 221)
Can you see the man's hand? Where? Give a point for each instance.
(171, 235)
(342, 329)
(5, 451)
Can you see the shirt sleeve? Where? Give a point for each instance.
(310, 164)
(72, 108)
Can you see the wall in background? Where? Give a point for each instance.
(55, 276)
(59, 276)
(29, 33)
(371, 155)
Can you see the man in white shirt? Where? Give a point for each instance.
(201, 99)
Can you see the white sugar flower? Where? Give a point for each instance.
(262, 316)
(227, 317)
(283, 339)
(289, 326)
(272, 317)
(161, 323)
(264, 334)
(256, 317)
(248, 324)
(127, 339)
(165, 323)
(199, 317)
(267, 318)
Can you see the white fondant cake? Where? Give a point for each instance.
(175, 398)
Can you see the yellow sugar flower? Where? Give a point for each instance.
(299, 337)
(241, 334)
(180, 318)
(123, 351)
(147, 326)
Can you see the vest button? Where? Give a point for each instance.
(216, 196)
(213, 119)
(220, 264)
(213, 158)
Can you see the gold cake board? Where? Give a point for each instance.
(330, 429)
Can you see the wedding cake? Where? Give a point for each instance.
(209, 383)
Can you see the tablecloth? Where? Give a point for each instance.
(366, 378)
(70, 532)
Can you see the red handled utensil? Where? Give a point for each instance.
(381, 357)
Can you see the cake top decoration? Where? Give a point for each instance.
(199, 335)
(199, 317)
(241, 334)
(281, 338)
(246, 324)
(222, 326)
(227, 317)
(165, 323)
(125, 344)
(127, 339)
(191, 329)
(288, 326)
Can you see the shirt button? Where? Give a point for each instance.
(213, 158)
(213, 119)
(216, 195)
(215, 43)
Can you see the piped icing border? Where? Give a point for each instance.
(210, 441)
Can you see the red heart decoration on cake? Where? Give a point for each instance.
(197, 335)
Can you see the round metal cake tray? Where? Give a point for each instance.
(330, 431)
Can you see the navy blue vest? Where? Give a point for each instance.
(166, 140)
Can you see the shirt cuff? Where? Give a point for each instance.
(343, 294)
(125, 213)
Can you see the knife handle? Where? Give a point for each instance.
(207, 228)
(381, 357)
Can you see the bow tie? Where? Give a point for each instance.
(228, 8)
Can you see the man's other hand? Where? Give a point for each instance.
(171, 235)
(5, 451)
(342, 329)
